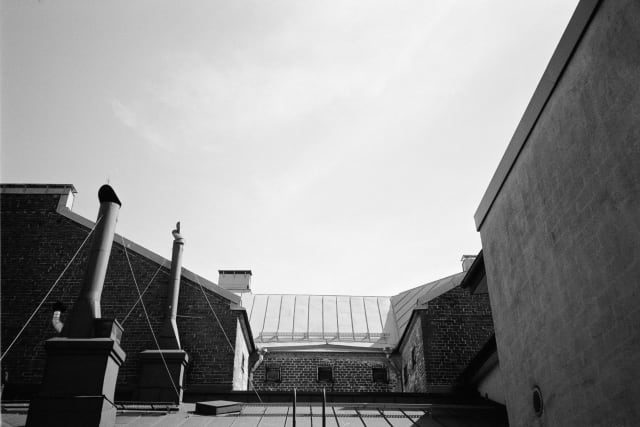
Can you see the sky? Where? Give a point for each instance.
(331, 147)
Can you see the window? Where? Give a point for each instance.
(242, 366)
(406, 374)
(273, 374)
(379, 375)
(413, 356)
(325, 374)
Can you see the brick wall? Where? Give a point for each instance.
(561, 242)
(442, 338)
(352, 372)
(458, 324)
(37, 242)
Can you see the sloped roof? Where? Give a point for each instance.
(281, 320)
(405, 302)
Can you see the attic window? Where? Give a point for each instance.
(413, 356)
(379, 375)
(325, 374)
(273, 374)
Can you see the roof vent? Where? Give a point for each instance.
(235, 280)
(467, 260)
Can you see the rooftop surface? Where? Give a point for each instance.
(307, 415)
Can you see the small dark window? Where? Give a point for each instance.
(406, 374)
(325, 374)
(413, 356)
(379, 375)
(273, 374)
(242, 366)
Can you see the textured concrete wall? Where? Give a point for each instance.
(562, 241)
(352, 372)
(37, 242)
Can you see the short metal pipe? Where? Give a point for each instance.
(261, 354)
(55, 321)
(79, 324)
(295, 403)
(324, 407)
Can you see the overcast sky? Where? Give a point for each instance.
(332, 147)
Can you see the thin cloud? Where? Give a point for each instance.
(131, 120)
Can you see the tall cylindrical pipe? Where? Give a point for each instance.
(169, 339)
(79, 324)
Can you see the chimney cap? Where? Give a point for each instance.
(107, 194)
(235, 272)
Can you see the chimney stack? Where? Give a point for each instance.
(79, 380)
(467, 260)
(238, 281)
(80, 322)
(162, 370)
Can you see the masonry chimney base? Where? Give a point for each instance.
(79, 383)
(155, 384)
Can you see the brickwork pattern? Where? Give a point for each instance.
(561, 242)
(37, 242)
(352, 372)
(456, 327)
(442, 339)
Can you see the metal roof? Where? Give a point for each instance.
(358, 320)
(281, 320)
(404, 303)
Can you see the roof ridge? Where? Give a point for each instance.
(429, 283)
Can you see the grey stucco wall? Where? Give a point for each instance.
(562, 241)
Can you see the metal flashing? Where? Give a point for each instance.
(561, 57)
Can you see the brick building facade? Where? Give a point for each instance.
(40, 235)
(442, 338)
(347, 371)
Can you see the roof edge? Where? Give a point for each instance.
(412, 319)
(14, 188)
(65, 211)
(563, 53)
(484, 360)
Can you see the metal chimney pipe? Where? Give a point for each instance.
(79, 324)
(169, 338)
